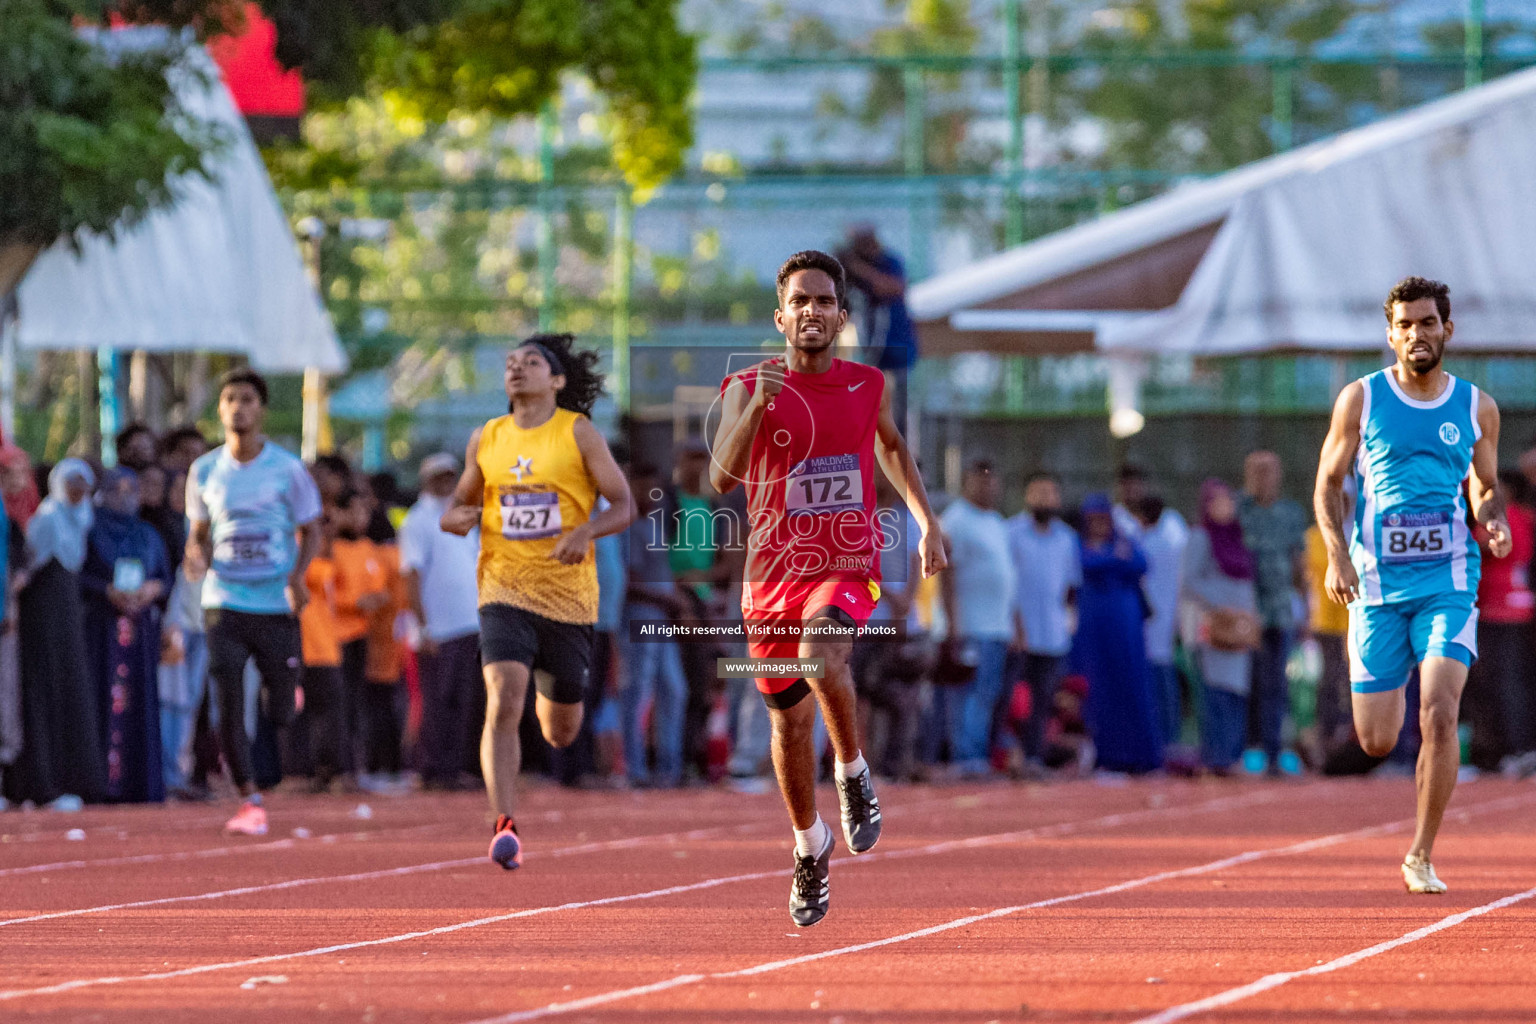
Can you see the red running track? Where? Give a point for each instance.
(1149, 901)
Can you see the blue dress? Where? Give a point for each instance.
(123, 655)
(1110, 649)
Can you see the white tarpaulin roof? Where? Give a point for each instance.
(218, 271)
(1300, 249)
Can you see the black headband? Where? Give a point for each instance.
(556, 368)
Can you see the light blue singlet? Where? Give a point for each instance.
(1411, 537)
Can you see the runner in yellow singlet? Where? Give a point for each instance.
(531, 481)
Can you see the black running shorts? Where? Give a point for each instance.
(563, 650)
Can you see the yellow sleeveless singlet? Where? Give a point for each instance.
(536, 488)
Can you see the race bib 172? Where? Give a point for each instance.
(530, 515)
(826, 483)
(1415, 536)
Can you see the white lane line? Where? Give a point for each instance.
(364, 876)
(219, 851)
(548, 816)
(1306, 846)
(628, 842)
(1047, 831)
(1270, 981)
(69, 986)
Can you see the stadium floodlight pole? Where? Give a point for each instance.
(1474, 43)
(1012, 84)
(623, 281)
(548, 255)
(1283, 89)
(311, 231)
(914, 152)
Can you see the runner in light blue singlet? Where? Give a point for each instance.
(1417, 559)
(1423, 450)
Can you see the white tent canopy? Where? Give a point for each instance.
(217, 271)
(1293, 252)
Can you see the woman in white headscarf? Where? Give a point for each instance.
(62, 763)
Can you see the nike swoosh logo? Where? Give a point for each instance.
(855, 387)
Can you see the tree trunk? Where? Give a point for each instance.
(88, 440)
(196, 387)
(15, 260)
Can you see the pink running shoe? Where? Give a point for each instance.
(251, 821)
(506, 849)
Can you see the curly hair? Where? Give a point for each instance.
(815, 259)
(1412, 289)
(583, 383)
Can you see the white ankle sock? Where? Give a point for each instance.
(808, 842)
(852, 768)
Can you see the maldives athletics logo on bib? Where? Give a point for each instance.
(1449, 433)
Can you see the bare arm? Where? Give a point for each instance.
(742, 414)
(199, 553)
(896, 460)
(412, 581)
(309, 547)
(1342, 582)
(948, 599)
(1487, 499)
(605, 473)
(464, 514)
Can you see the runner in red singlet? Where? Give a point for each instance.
(803, 432)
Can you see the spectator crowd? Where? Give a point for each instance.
(1114, 636)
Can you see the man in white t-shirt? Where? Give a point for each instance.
(254, 517)
(438, 570)
(1049, 569)
(979, 605)
(1163, 540)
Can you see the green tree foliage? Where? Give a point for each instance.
(506, 57)
(87, 142)
(1200, 119)
(442, 59)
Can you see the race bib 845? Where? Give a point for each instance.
(1415, 536)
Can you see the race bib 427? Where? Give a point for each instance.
(530, 515)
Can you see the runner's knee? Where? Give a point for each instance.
(505, 690)
(1379, 741)
(1437, 721)
(560, 723)
(794, 723)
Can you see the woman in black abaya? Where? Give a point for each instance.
(61, 763)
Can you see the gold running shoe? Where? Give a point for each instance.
(1419, 876)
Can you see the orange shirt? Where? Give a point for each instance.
(317, 622)
(383, 664)
(359, 571)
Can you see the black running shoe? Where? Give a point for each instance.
(861, 811)
(808, 891)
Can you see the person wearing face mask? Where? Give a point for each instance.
(126, 572)
(1048, 572)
